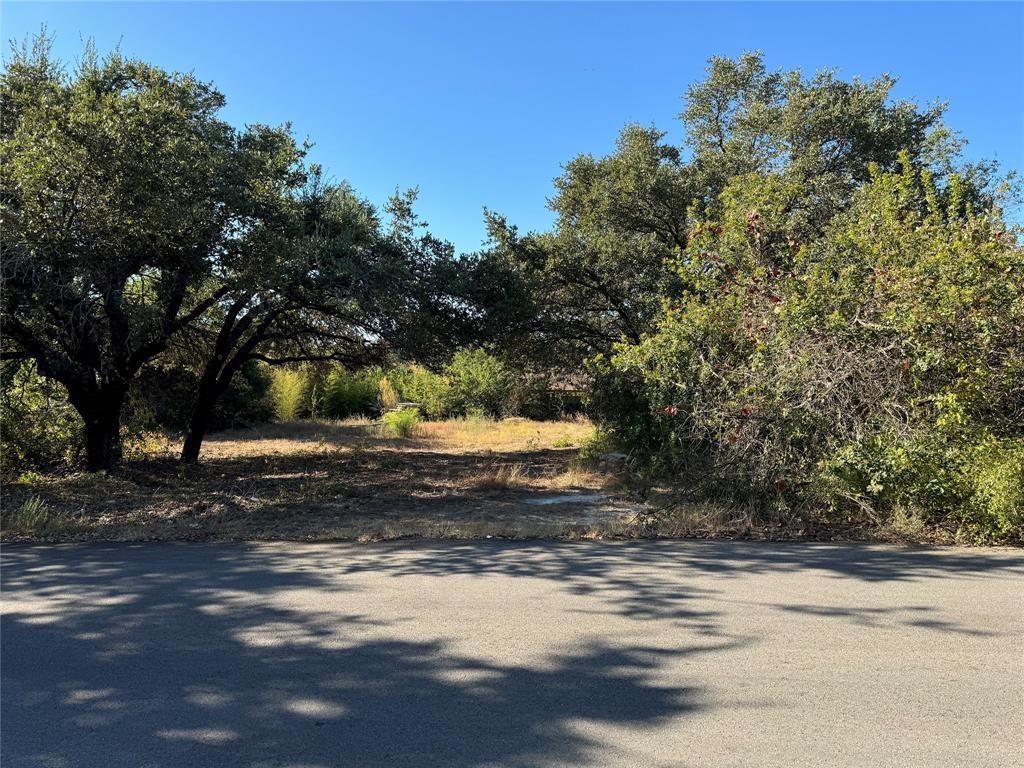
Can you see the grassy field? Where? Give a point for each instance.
(337, 480)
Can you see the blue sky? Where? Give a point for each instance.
(480, 103)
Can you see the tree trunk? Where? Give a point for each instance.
(214, 382)
(103, 431)
(198, 423)
(219, 371)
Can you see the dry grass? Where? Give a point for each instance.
(574, 476)
(505, 435)
(702, 519)
(337, 480)
(500, 477)
(460, 435)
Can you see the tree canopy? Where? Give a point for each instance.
(603, 272)
(136, 220)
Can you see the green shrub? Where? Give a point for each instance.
(873, 369)
(247, 400)
(975, 485)
(995, 510)
(431, 391)
(532, 397)
(387, 397)
(164, 396)
(350, 394)
(33, 516)
(401, 423)
(478, 381)
(38, 427)
(288, 390)
(595, 446)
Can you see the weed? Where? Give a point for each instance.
(564, 441)
(33, 517)
(29, 478)
(402, 423)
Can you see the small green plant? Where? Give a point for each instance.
(32, 517)
(400, 423)
(565, 441)
(477, 415)
(595, 446)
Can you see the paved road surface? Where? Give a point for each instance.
(497, 654)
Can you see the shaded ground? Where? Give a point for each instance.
(340, 481)
(491, 654)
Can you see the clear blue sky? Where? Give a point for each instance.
(480, 104)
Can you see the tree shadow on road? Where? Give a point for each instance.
(111, 661)
(189, 655)
(589, 560)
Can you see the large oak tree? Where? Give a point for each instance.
(136, 221)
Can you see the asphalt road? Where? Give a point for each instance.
(500, 654)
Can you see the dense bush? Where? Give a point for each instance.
(431, 391)
(38, 427)
(478, 382)
(351, 394)
(401, 423)
(876, 369)
(165, 396)
(247, 400)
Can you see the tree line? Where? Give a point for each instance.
(812, 301)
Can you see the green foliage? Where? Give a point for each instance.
(534, 396)
(401, 423)
(138, 225)
(350, 394)
(38, 427)
(289, 391)
(994, 508)
(473, 382)
(876, 369)
(478, 382)
(416, 384)
(387, 396)
(602, 274)
(598, 444)
(162, 398)
(247, 400)
(33, 516)
(976, 484)
(148, 186)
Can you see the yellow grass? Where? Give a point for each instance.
(344, 479)
(458, 435)
(506, 434)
